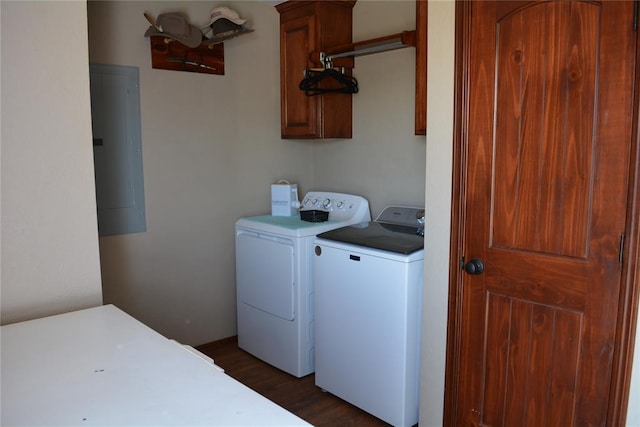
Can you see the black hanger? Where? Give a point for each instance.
(339, 82)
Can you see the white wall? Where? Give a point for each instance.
(49, 254)
(211, 148)
(439, 167)
(633, 414)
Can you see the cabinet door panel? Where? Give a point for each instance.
(307, 28)
(298, 110)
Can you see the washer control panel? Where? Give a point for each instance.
(341, 207)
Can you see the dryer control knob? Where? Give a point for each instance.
(326, 203)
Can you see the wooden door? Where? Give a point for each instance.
(547, 138)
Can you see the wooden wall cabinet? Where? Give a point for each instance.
(306, 28)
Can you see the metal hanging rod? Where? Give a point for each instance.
(368, 47)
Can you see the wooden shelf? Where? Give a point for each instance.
(168, 54)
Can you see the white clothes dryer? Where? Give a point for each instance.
(274, 279)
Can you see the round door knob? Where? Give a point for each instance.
(475, 266)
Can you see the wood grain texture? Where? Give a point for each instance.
(168, 54)
(298, 112)
(545, 134)
(545, 128)
(532, 352)
(308, 27)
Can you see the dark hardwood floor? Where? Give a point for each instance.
(298, 395)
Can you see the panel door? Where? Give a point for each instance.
(548, 143)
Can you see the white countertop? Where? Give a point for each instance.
(100, 366)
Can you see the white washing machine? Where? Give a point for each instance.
(368, 299)
(274, 279)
